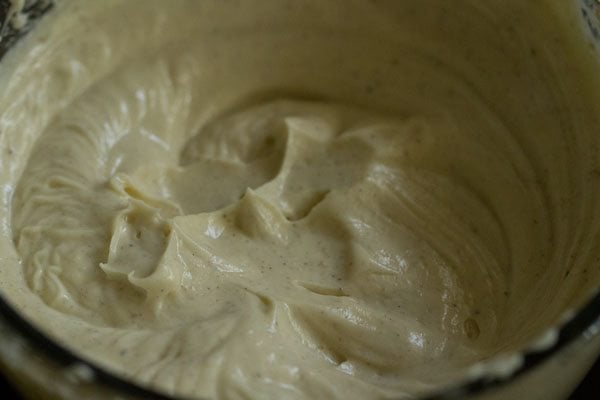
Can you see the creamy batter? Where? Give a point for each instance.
(299, 199)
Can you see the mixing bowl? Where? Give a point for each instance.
(548, 369)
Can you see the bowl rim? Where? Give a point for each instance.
(583, 324)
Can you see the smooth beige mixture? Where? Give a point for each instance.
(299, 199)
